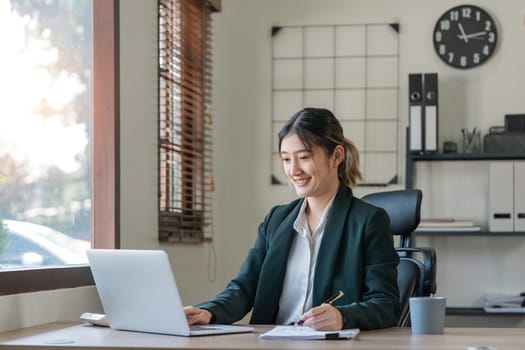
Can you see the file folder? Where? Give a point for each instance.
(430, 103)
(519, 196)
(501, 196)
(415, 109)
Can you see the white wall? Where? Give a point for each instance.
(480, 97)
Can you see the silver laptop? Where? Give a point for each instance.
(138, 292)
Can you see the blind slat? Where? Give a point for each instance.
(185, 147)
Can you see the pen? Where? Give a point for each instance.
(334, 298)
(330, 301)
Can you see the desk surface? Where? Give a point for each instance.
(83, 337)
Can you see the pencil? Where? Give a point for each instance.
(330, 301)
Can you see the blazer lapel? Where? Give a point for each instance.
(326, 260)
(274, 270)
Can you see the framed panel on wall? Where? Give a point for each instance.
(353, 70)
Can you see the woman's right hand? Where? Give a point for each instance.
(197, 316)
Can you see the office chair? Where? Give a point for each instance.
(415, 277)
(403, 207)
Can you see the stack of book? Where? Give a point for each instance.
(505, 303)
(447, 224)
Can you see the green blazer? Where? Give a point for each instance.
(356, 256)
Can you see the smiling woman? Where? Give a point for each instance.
(325, 243)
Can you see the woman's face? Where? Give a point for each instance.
(311, 172)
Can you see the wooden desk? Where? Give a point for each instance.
(83, 337)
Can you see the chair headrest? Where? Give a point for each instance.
(403, 207)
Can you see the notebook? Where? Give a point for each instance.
(138, 292)
(307, 333)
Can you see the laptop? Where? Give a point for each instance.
(138, 292)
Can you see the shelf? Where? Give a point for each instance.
(478, 311)
(444, 157)
(468, 233)
(463, 156)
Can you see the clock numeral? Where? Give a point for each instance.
(492, 37)
(454, 15)
(442, 49)
(438, 37)
(444, 24)
(486, 50)
(476, 58)
(478, 16)
(450, 57)
(488, 25)
(463, 61)
(466, 12)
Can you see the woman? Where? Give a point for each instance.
(324, 242)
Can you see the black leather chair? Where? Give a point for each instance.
(416, 272)
(404, 209)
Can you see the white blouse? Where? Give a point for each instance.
(296, 296)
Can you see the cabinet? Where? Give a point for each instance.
(506, 193)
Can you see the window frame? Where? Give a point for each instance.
(105, 162)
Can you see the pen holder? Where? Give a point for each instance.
(471, 141)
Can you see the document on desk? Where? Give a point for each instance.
(307, 333)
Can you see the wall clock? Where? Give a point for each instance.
(465, 36)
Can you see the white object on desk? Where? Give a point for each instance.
(307, 333)
(95, 319)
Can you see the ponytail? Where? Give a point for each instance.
(349, 172)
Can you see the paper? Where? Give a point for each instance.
(307, 333)
(508, 300)
(445, 222)
(446, 225)
(504, 303)
(448, 229)
(504, 309)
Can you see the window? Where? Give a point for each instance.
(91, 83)
(185, 158)
(44, 131)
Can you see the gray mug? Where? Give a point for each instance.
(427, 315)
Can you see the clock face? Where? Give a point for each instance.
(465, 36)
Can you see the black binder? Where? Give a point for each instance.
(415, 110)
(430, 113)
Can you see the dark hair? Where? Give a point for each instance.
(319, 127)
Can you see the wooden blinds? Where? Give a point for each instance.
(185, 157)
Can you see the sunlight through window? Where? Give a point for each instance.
(45, 118)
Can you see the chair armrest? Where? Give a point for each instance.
(429, 261)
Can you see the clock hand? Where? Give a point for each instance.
(463, 35)
(473, 35)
